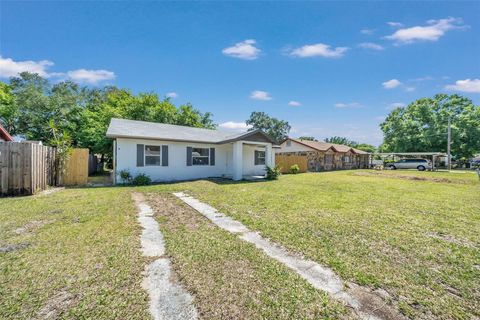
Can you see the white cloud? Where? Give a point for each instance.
(243, 50)
(90, 76)
(230, 125)
(395, 24)
(318, 50)
(433, 31)
(342, 105)
(260, 95)
(294, 103)
(395, 105)
(421, 79)
(371, 45)
(467, 85)
(409, 89)
(367, 31)
(10, 68)
(172, 95)
(391, 84)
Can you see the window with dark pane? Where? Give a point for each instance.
(259, 157)
(200, 156)
(328, 159)
(152, 155)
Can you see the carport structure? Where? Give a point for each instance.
(428, 155)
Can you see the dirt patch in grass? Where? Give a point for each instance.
(31, 226)
(400, 176)
(378, 302)
(451, 239)
(231, 279)
(49, 191)
(56, 305)
(13, 247)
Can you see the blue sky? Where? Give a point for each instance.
(329, 68)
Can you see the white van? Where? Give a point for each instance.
(419, 164)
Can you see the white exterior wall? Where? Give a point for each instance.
(249, 167)
(177, 169)
(294, 147)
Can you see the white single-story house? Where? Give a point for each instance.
(168, 152)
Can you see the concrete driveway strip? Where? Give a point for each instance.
(168, 300)
(365, 304)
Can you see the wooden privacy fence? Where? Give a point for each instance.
(76, 168)
(25, 168)
(286, 161)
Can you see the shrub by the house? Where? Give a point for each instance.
(141, 180)
(294, 168)
(273, 172)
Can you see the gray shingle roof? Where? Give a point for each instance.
(122, 128)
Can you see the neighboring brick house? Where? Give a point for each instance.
(324, 156)
(4, 135)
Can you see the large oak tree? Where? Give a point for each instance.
(422, 126)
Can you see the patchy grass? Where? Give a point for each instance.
(465, 177)
(75, 253)
(100, 178)
(231, 279)
(79, 259)
(416, 238)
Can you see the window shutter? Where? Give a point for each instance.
(189, 156)
(212, 156)
(164, 156)
(256, 158)
(140, 155)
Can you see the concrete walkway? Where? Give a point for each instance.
(366, 304)
(168, 300)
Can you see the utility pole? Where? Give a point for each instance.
(449, 137)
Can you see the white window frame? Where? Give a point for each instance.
(347, 159)
(208, 157)
(264, 157)
(145, 155)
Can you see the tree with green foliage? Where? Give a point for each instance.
(341, 140)
(366, 147)
(8, 109)
(308, 138)
(30, 107)
(422, 126)
(345, 141)
(275, 128)
(112, 102)
(33, 104)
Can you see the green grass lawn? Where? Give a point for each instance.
(82, 260)
(231, 279)
(414, 234)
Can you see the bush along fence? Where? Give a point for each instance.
(26, 168)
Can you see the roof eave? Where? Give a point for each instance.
(249, 133)
(115, 136)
